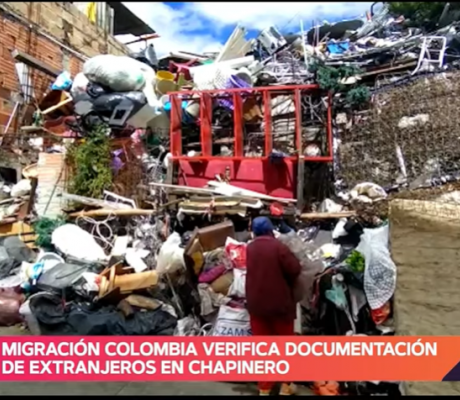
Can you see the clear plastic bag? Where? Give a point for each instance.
(306, 253)
(171, 256)
(80, 83)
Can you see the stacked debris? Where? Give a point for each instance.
(129, 229)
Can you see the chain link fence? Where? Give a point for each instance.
(410, 135)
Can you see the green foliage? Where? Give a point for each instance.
(358, 96)
(43, 228)
(90, 161)
(355, 261)
(420, 14)
(329, 78)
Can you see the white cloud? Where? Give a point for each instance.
(280, 14)
(196, 26)
(175, 27)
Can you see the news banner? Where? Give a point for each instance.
(152, 358)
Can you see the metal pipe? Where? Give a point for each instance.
(142, 38)
(10, 120)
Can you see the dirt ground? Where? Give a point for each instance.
(425, 247)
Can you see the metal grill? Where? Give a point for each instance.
(269, 133)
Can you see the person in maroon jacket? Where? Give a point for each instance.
(272, 271)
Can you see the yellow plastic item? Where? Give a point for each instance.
(165, 75)
(165, 82)
(91, 11)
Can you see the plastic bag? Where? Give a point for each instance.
(31, 321)
(22, 188)
(119, 73)
(115, 109)
(171, 256)
(10, 303)
(147, 56)
(12, 281)
(311, 266)
(45, 262)
(106, 103)
(380, 271)
(368, 192)
(80, 83)
(339, 229)
(187, 326)
(77, 243)
(236, 252)
(84, 320)
(238, 287)
(62, 82)
(232, 322)
(95, 90)
(380, 315)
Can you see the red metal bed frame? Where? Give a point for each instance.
(253, 173)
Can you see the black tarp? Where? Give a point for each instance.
(56, 318)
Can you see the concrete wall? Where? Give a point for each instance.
(63, 22)
(424, 237)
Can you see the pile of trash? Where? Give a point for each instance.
(133, 94)
(172, 274)
(98, 239)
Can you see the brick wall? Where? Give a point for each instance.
(65, 23)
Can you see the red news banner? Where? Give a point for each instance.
(153, 358)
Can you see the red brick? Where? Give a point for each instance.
(86, 38)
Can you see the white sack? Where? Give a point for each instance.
(232, 322)
(119, 73)
(75, 242)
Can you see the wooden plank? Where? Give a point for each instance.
(24, 231)
(337, 215)
(194, 190)
(35, 63)
(234, 191)
(118, 213)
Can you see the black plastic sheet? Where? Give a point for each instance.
(55, 318)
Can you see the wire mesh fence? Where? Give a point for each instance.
(409, 135)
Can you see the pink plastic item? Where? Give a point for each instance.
(211, 275)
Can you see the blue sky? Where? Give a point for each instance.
(205, 26)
